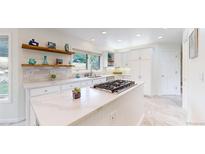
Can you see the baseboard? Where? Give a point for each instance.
(12, 120)
(141, 119)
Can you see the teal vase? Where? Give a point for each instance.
(45, 62)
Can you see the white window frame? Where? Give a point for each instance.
(9, 100)
(88, 64)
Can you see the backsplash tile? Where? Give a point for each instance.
(37, 75)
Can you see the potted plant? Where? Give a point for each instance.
(76, 93)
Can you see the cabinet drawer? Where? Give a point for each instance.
(46, 90)
(70, 86)
(86, 83)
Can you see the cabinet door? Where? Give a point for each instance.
(124, 59)
(146, 69)
(45, 90)
(118, 60)
(134, 66)
(146, 54)
(70, 86)
(133, 55)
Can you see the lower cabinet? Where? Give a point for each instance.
(70, 86)
(57, 89)
(45, 90)
(126, 110)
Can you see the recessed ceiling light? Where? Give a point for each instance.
(160, 37)
(119, 40)
(92, 39)
(104, 32)
(138, 35)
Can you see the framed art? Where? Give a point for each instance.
(193, 44)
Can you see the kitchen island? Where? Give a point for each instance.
(95, 107)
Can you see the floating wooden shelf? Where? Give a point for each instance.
(26, 46)
(44, 65)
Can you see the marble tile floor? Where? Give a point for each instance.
(164, 111)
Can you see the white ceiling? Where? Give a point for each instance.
(110, 41)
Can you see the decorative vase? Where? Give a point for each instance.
(32, 61)
(45, 62)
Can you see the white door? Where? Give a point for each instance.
(169, 73)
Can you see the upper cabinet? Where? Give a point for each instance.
(118, 60)
(140, 54)
(121, 59)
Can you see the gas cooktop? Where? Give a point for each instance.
(115, 86)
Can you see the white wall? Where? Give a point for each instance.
(16, 110)
(194, 98)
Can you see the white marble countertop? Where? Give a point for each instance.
(62, 109)
(59, 82)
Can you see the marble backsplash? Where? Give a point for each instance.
(37, 75)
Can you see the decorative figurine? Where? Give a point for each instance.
(32, 61)
(45, 62)
(53, 76)
(33, 42)
(77, 76)
(76, 93)
(51, 45)
(59, 61)
(67, 47)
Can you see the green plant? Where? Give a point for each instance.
(76, 90)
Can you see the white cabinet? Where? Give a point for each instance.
(140, 64)
(105, 59)
(70, 86)
(45, 90)
(124, 59)
(125, 110)
(30, 115)
(146, 75)
(118, 60)
(140, 54)
(121, 59)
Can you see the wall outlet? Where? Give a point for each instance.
(113, 115)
